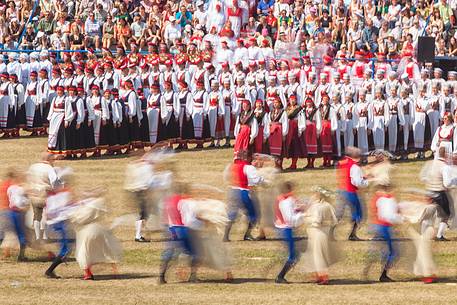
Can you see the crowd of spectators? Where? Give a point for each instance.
(333, 27)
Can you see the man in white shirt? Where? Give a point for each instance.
(172, 31)
(200, 13)
(92, 30)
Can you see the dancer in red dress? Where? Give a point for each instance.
(312, 128)
(246, 129)
(279, 127)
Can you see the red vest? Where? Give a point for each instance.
(279, 219)
(173, 212)
(410, 70)
(238, 176)
(4, 201)
(344, 175)
(374, 209)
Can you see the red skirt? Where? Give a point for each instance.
(220, 129)
(326, 137)
(242, 140)
(276, 139)
(258, 141)
(295, 144)
(311, 137)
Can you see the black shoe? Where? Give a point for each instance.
(162, 280)
(354, 238)
(142, 240)
(22, 259)
(225, 240)
(385, 279)
(51, 275)
(259, 238)
(281, 280)
(442, 238)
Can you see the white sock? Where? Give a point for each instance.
(424, 226)
(441, 229)
(138, 225)
(36, 227)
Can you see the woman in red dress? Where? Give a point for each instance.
(326, 140)
(279, 126)
(246, 129)
(311, 126)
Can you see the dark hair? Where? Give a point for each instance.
(287, 187)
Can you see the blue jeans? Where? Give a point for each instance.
(17, 220)
(180, 240)
(385, 233)
(288, 236)
(243, 200)
(352, 199)
(64, 243)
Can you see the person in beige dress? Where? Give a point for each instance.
(320, 218)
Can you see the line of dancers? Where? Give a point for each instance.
(198, 227)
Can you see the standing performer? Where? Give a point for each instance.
(130, 98)
(246, 129)
(95, 103)
(433, 111)
(338, 120)
(349, 127)
(19, 97)
(361, 122)
(420, 121)
(279, 127)
(395, 117)
(242, 176)
(199, 104)
(378, 117)
(312, 129)
(59, 117)
(153, 113)
(407, 110)
(185, 119)
(445, 136)
(43, 97)
(215, 111)
(287, 216)
(169, 112)
(350, 177)
(326, 138)
(295, 146)
(33, 106)
(230, 109)
(263, 124)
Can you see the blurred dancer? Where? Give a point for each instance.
(14, 194)
(287, 216)
(385, 215)
(58, 208)
(320, 218)
(350, 178)
(242, 176)
(41, 178)
(94, 243)
(432, 174)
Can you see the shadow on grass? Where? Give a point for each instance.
(236, 281)
(119, 277)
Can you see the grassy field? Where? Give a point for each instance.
(255, 263)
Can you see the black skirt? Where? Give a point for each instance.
(87, 135)
(37, 118)
(45, 114)
(61, 143)
(134, 130)
(123, 132)
(171, 131)
(206, 134)
(105, 133)
(20, 117)
(11, 121)
(70, 137)
(187, 131)
(144, 129)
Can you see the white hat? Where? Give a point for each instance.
(240, 77)
(323, 75)
(346, 76)
(272, 78)
(368, 71)
(424, 71)
(336, 75)
(34, 55)
(291, 75)
(362, 91)
(438, 70)
(44, 53)
(24, 56)
(172, 18)
(259, 77)
(404, 76)
(393, 73)
(214, 83)
(226, 80)
(281, 77)
(199, 2)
